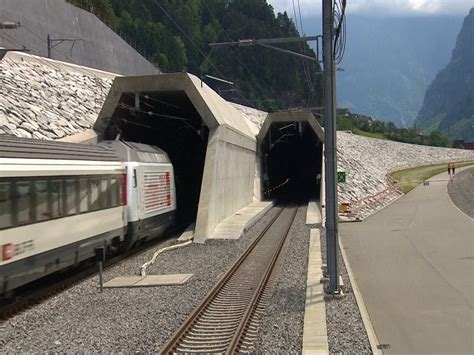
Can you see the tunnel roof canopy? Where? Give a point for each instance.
(290, 116)
(212, 108)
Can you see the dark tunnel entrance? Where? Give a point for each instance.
(170, 121)
(291, 154)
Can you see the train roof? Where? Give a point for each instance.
(131, 151)
(26, 148)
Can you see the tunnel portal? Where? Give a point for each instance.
(291, 161)
(170, 121)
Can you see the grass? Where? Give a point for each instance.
(368, 134)
(410, 178)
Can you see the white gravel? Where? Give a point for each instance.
(81, 319)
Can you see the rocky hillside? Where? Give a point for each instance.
(449, 100)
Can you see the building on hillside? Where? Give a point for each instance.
(343, 112)
(461, 144)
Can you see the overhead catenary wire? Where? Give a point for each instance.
(236, 57)
(340, 33)
(306, 70)
(198, 49)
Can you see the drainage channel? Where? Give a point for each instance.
(227, 320)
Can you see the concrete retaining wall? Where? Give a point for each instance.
(228, 180)
(99, 47)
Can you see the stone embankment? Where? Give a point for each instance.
(367, 161)
(46, 102)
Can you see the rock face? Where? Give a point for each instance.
(44, 102)
(449, 100)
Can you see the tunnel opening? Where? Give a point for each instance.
(291, 160)
(170, 121)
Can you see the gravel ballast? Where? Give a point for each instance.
(461, 191)
(281, 329)
(346, 331)
(81, 319)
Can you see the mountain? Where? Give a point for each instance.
(175, 36)
(449, 99)
(390, 61)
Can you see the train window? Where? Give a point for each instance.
(71, 196)
(83, 195)
(114, 192)
(57, 201)
(95, 194)
(104, 196)
(41, 196)
(5, 205)
(23, 201)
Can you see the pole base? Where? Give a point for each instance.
(338, 294)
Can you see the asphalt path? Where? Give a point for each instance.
(414, 265)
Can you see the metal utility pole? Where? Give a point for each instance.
(330, 153)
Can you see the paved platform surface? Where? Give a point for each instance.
(315, 337)
(235, 225)
(149, 280)
(414, 265)
(313, 214)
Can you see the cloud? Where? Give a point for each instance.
(382, 7)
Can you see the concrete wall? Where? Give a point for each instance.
(228, 180)
(99, 47)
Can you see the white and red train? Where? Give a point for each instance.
(59, 201)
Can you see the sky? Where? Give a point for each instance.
(382, 7)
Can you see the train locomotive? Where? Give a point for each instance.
(59, 201)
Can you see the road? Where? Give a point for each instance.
(414, 265)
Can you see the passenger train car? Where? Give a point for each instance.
(59, 201)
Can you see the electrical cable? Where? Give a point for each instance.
(305, 64)
(198, 49)
(236, 57)
(340, 35)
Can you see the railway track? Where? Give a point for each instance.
(227, 320)
(51, 285)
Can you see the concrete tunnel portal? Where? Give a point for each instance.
(211, 145)
(170, 121)
(290, 151)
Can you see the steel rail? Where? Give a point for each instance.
(226, 307)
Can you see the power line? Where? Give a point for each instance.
(307, 75)
(198, 49)
(252, 78)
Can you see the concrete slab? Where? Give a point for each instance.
(188, 234)
(235, 225)
(413, 266)
(149, 280)
(315, 339)
(313, 213)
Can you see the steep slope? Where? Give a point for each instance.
(175, 35)
(449, 100)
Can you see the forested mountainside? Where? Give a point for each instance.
(174, 35)
(449, 100)
(386, 68)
